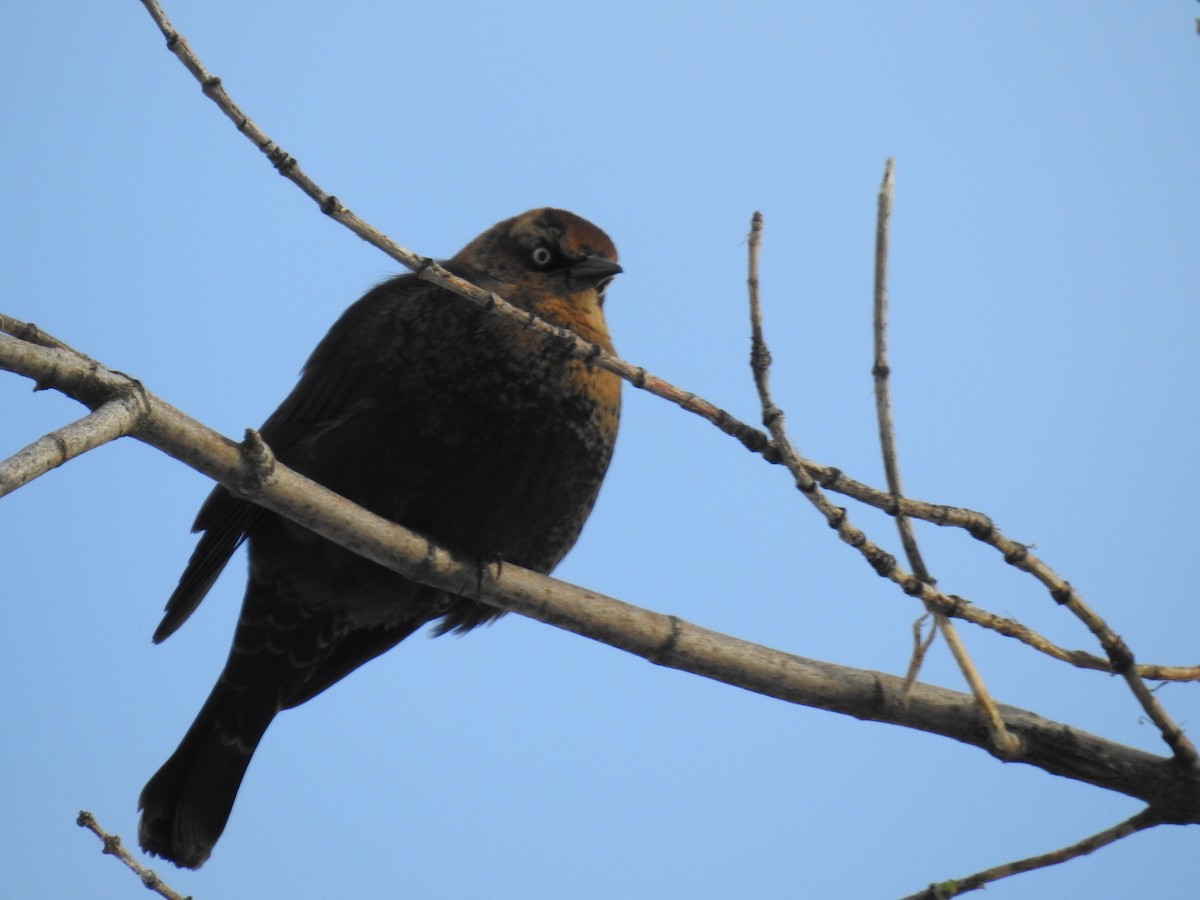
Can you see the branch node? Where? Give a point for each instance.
(664, 653)
(1120, 657)
(591, 354)
(279, 158)
(981, 528)
(332, 206)
(760, 356)
(1063, 594)
(829, 476)
(883, 563)
(1017, 555)
(258, 463)
(1007, 746)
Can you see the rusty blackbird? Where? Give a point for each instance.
(432, 413)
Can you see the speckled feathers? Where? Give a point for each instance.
(435, 414)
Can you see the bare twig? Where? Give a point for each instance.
(1121, 662)
(114, 847)
(954, 887)
(29, 333)
(664, 640)
(1005, 743)
(881, 373)
(110, 421)
(883, 563)
(429, 270)
(920, 648)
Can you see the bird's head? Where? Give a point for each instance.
(545, 250)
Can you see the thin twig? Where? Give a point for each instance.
(29, 333)
(920, 648)
(883, 563)
(1006, 744)
(954, 887)
(116, 418)
(1121, 662)
(881, 372)
(114, 847)
(429, 270)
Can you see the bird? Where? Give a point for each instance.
(433, 413)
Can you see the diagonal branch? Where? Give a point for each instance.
(112, 846)
(98, 383)
(977, 524)
(95, 385)
(954, 887)
(429, 269)
(1120, 656)
(113, 419)
(919, 585)
(883, 563)
(664, 640)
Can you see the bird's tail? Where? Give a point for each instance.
(186, 804)
(284, 653)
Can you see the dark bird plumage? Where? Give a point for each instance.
(432, 413)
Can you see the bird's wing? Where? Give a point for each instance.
(328, 387)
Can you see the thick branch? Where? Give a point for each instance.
(665, 640)
(97, 383)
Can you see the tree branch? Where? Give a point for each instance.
(114, 847)
(244, 469)
(113, 419)
(946, 889)
(881, 371)
(977, 524)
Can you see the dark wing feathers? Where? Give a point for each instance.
(327, 387)
(352, 650)
(225, 521)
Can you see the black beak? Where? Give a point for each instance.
(595, 269)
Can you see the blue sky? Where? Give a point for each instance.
(1045, 328)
